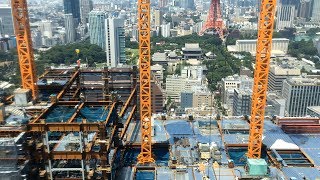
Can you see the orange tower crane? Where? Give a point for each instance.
(259, 94)
(145, 88)
(24, 46)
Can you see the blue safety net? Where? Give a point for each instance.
(93, 114)
(144, 175)
(60, 114)
(161, 156)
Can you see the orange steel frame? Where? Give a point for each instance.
(259, 94)
(145, 89)
(24, 45)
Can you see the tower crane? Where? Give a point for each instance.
(24, 46)
(145, 155)
(259, 94)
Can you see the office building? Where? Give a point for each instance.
(187, 4)
(202, 98)
(135, 33)
(165, 30)
(300, 93)
(97, 28)
(176, 84)
(186, 99)
(6, 20)
(275, 105)
(69, 27)
(305, 9)
(313, 111)
(115, 41)
(229, 84)
(45, 27)
(316, 11)
(277, 74)
(36, 39)
(285, 16)
(72, 7)
(242, 102)
(193, 71)
(85, 7)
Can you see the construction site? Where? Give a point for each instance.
(82, 123)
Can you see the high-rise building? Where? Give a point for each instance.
(6, 20)
(163, 3)
(285, 16)
(1, 27)
(165, 30)
(45, 27)
(187, 4)
(115, 41)
(242, 102)
(300, 93)
(85, 7)
(36, 39)
(70, 30)
(316, 11)
(278, 74)
(97, 28)
(72, 7)
(157, 17)
(305, 9)
(135, 32)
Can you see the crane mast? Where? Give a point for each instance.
(145, 155)
(24, 46)
(259, 94)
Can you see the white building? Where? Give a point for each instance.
(115, 41)
(300, 93)
(285, 16)
(177, 84)
(165, 30)
(70, 30)
(230, 83)
(45, 27)
(192, 72)
(277, 74)
(279, 46)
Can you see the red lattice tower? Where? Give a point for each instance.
(214, 19)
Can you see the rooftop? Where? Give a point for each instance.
(299, 81)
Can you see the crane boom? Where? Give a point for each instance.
(259, 94)
(24, 46)
(145, 88)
